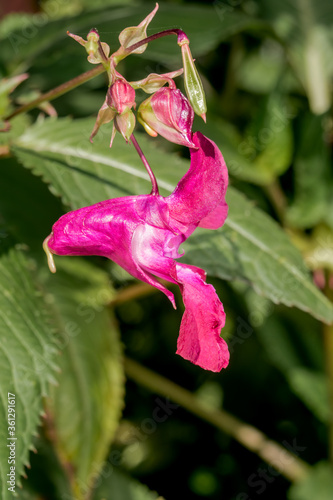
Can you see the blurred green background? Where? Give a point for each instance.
(267, 70)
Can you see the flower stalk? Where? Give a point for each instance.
(154, 190)
(292, 467)
(328, 344)
(58, 91)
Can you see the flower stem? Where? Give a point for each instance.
(328, 344)
(154, 190)
(58, 91)
(292, 467)
(180, 35)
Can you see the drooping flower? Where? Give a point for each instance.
(143, 234)
(168, 113)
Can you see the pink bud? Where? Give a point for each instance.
(169, 114)
(121, 96)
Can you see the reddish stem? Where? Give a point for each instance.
(154, 190)
(180, 35)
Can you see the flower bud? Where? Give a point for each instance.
(125, 124)
(98, 52)
(132, 35)
(192, 80)
(154, 81)
(121, 96)
(168, 113)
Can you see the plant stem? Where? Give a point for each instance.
(328, 345)
(58, 91)
(277, 198)
(136, 292)
(154, 190)
(150, 38)
(287, 464)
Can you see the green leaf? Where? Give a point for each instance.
(86, 405)
(318, 484)
(261, 69)
(17, 126)
(30, 219)
(206, 27)
(292, 347)
(46, 474)
(118, 486)
(305, 27)
(32, 35)
(272, 134)
(313, 175)
(27, 352)
(264, 152)
(251, 246)
(312, 388)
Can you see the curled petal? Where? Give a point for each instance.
(199, 197)
(199, 339)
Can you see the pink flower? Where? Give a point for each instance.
(143, 233)
(168, 113)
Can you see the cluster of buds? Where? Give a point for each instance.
(167, 111)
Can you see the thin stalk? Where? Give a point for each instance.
(136, 292)
(88, 75)
(328, 344)
(287, 464)
(154, 190)
(58, 91)
(150, 38)
(277, 198)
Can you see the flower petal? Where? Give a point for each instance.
(154, 250)
(201, 191)
(216, 218)
(199, 339)
(112, 229)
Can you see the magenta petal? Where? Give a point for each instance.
(199, 339)
(202, 189)
(216, 218)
